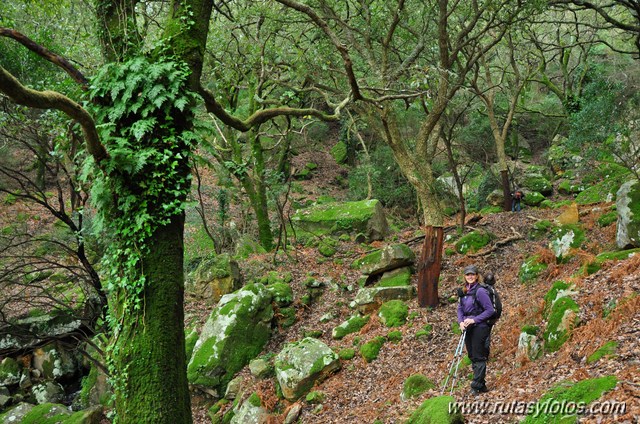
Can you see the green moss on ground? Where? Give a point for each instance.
(551, 295)
(568, 393)
(315, 397)
(394, 313)
(608, 218)
(394, 336)
(371, 349)
(416, 385)
(473, 241)
(426, 331)
(531, 269)
(347, 354)
(531, 330)
(595, 265)
(554, 335)
(607, 349)
(282, 293)
(436, 410)
(352, 325)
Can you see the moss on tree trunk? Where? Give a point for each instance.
(151, 357)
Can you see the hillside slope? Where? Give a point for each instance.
(364, 392)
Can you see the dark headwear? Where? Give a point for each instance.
(471, 269)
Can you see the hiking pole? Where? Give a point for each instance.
(455, 372)
(457, 354)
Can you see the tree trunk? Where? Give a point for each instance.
(506, 190)
(151, 358)
(429, 266)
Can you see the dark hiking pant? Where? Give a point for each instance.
(477, 342)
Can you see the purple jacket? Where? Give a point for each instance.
(480, 311)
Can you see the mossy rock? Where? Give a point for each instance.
(580, 393)
(282, 294)
(236, 332)
(366, 216)
(490, 210)
(394, 313)
(537, 183)
(190, 339)
(533, 198)
(540, 229)
(214, 277)
(628, 207)
(563, 318)
(607, 180)
(273, 277)
(394, 336)
(437, 410)
(327, 247)
(389, 258)
(565, 238)
(416, 385)
(9, 372)
(49, 413)
(397, 278)
(567, 187)
(473, 241)
(531, 268)
(347, 354)
(247, 246)
(371, 349)
(339, 152)
(558, 289)
(352, 325)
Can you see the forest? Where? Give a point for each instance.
(259, 212)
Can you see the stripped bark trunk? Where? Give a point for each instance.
(429, 267)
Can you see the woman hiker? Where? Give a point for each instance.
(473, 311)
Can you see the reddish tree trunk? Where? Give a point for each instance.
(429, 267)
(506, 191)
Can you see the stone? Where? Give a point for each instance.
(366, 216)
(396, 278)
(54, 362)
(251, 412)
(235, 332)
(293, 414)
(391, 257)
(369, 299)
(214, 277)
(29, 331)
(300, 365)
(529, 345)
(628, 206)
(9, 372)
(48, 392)
(16, 414)
(260, 368)
(233, 388)
(570, 215)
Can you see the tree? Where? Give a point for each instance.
(138, 131)
(408, 55)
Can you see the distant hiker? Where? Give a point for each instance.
(516, 197)
(474, 311)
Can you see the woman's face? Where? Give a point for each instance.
(471, 278)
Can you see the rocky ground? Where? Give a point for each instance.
(365, 392)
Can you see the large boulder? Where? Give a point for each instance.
(386, 259)
(50, 413)
(55, 362)
(214, 277)
(302, 364)
(366, 216)
(235, 333)
(29, 331)
(628, 206)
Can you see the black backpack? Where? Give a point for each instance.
(495, 301)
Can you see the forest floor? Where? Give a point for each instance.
(364, 392)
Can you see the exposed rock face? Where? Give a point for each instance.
(369, 299)
(365, 216)
(628, 206)
(302, 364)
(235, 333)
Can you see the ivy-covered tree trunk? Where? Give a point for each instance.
(150, 360)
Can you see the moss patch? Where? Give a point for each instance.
(352, 325)
(580, 393)
(347, 354)
(394, 313)
(608, 218)
(562, 319)
(396, 278)
(282, 293)
(553, 293)
(416, 385)
(371, 349)
(436, 411)
(473, 241)
(425, 331)
(607, 349)
(394, 336)
(531, 268)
